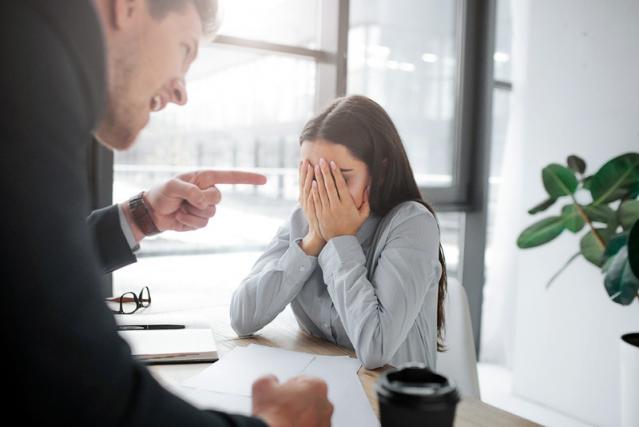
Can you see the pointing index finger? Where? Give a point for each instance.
(207, 178)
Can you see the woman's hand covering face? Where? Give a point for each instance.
(335, 209)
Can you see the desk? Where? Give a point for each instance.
(284, 333)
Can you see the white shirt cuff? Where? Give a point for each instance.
(126, 230)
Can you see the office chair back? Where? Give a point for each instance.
(459, 362)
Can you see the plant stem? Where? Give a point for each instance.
(554, 276)
(585, 217)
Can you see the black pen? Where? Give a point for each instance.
(148, 327)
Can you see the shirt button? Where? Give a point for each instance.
(302, 268)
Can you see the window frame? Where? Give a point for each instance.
(469, 192)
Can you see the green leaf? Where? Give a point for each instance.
(620, 282)
(606, 266)
(628, 213)
(633, 248)
(576, 163)
(541, 232)
(600, 213)
(572, 219)
(542, 206)
(586, 182)
(559, 180)
(615, 179)
(591, 249)
(615, 243)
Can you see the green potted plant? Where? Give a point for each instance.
(606, 205)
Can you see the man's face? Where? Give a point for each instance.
(148, 60)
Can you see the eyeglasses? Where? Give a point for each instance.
(129, 302)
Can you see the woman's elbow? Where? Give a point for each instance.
(242, 331)
(241, 326)
(240, 321)
(372, 357)
(372, 361)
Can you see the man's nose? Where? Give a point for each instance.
(177, 92)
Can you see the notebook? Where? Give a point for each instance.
(169, 346)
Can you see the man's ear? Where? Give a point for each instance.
(125, 12)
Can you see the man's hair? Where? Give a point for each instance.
(209, 11)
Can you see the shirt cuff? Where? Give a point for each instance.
(297, 263)
(126, 230)
(338, 251)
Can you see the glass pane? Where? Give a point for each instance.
(290, 22)
(501, 115)
(500, 234)
(503, 35)
(404, 54)
(245, 111)
(450, 226)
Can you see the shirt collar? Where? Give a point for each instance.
(366, 231)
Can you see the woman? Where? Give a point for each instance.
(359, 260)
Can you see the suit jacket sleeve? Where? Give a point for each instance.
(67, 364)
(111, 245)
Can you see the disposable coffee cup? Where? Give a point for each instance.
(413, 395)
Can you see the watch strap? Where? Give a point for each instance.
(141, 215)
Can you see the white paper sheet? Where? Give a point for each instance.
(345, 391)
(170, 341)
(234, 374)
(203, 399)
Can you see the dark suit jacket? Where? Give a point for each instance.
(64, 363)
(112, 248)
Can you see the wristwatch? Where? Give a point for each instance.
(141, 215)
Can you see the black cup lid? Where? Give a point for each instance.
(416, 384)
(631, 338)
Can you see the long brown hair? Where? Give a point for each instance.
(362, 126)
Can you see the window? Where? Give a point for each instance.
(495, 298)
(285, 22)
(501, 105)
(250, 93)
(252, 90)
(245, 111)
(405, 55)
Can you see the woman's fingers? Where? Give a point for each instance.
(340, 182)
(306, 188)
(302, 177)
(317, 203)
(309, 180)
(321, 188)
(312, 216)
(329, 182)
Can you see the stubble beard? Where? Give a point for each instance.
(122, 119)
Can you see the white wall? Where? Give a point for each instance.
(576, 90)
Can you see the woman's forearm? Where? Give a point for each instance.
(377, 317)
(273, 283)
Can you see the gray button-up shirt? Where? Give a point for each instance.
(390, 319)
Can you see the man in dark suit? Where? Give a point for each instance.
(64, 362)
